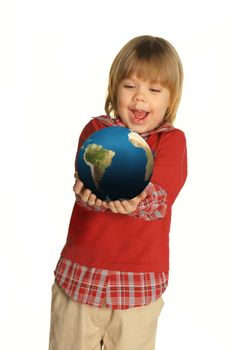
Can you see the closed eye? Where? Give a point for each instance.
(155, 90)
(128, 86)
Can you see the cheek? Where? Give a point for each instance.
(118, 106)
(121, 102)
(159, 107)
(164, 105)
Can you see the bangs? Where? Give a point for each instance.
(155, 69)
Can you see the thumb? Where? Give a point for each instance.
(143, 194)
(140, 197)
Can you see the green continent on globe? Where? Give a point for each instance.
(138, 141)
(98, 159)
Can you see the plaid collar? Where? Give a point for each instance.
(107, 120)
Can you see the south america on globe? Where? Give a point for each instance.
(115, 163)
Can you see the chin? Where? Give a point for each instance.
(138, 129)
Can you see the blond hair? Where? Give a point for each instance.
(151, 58)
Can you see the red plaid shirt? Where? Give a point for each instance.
(117, 289)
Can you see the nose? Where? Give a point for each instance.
(139, 97)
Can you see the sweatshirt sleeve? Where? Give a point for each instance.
(169, 175)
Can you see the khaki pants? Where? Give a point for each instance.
(76, 326)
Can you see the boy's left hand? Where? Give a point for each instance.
(125, 206)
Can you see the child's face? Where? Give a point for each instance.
(142, 105)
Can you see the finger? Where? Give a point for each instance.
(135, 201)
(143, 195)
(92, 199)
(85, 195)
(128, 206)
(119, 207)
(78, 187)
(106, 205)
(140, 197)
(111, 206)
(98, 202)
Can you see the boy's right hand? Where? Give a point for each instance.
(85, 194)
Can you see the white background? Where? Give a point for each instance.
(54, 62)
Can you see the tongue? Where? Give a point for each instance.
(139, 114)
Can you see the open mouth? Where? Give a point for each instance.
(139, 116)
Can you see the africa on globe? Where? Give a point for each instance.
(115, 163)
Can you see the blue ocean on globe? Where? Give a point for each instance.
(115, 163)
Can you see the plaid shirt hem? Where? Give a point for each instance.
(116, 289)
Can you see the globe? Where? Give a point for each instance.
(115, 163)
